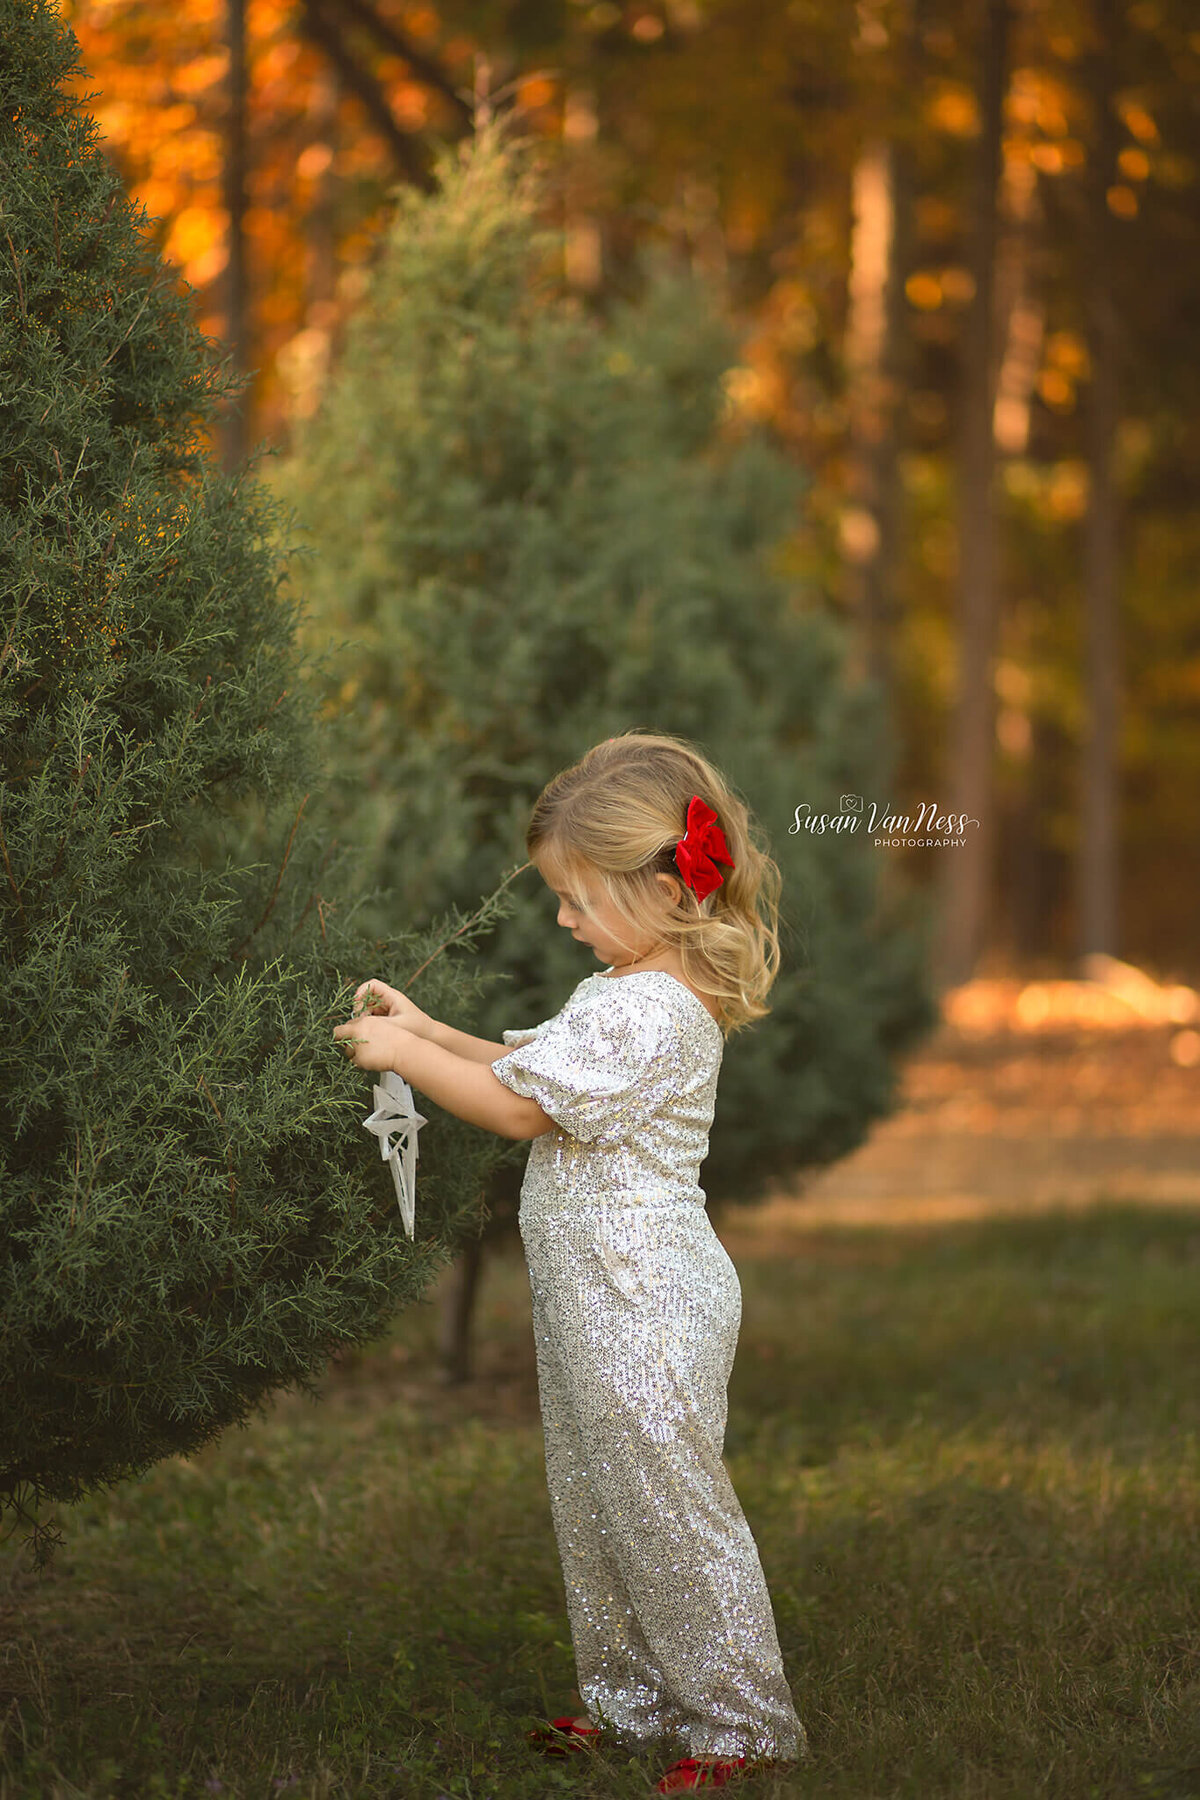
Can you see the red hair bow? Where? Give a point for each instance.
(701, 848)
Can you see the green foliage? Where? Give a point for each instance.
(970, 1457)
(191, 1215)
(534, 530)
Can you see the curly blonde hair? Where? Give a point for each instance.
(618, 814)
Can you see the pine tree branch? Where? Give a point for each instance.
(6, 647)
(111, 1017)
(431, 73)
(124, 496)
(466, 925)
(44, 1538)
(96, 1161)
(12, 880)
(316, 893)
(17, 272)
(209, 1093)
(63, 481)
(62, 842)
(203, 697)
(124, 339)
(361, 82)
(240, 952)
(228, 1151)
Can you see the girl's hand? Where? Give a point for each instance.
(377, 997)
(373, 1043)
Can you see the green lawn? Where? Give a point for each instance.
(970, 1456)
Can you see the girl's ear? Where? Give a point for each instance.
(672, 887)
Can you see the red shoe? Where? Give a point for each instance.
(697, 1772)
(564, 1737)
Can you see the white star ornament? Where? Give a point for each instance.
(395, 1116)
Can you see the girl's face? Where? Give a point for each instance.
(586, 912)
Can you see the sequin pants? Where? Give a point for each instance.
(636, 1309)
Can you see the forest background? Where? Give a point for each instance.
(961, 244)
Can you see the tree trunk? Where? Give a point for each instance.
(1098, 858)
(458, 1311)
(868, 524)
(584, 246)
(320, 237)
(1035, 883)
(877, 360)
(1020, 311)
(965, 891)
(237, 317)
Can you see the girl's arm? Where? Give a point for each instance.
(464, 1087)
(458, 1083)
(461, 1043)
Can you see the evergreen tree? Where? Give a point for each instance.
(538, 529)
(191, 1214)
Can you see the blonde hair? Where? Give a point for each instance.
(618, 813)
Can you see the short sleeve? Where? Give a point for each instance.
(601, 1067)
(513, 1038)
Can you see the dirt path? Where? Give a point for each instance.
(997, 1117)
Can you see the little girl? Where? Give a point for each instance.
(636, 1305)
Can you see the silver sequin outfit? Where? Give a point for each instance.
(636, 1309)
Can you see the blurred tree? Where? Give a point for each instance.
(1098, 837)
(737, 131)
(243, 142)
(534, 530)
(191, 1216)
(967, 883)
(733, 132)
(877, 351)
(235, 206)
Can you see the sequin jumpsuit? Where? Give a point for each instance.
(636, 1309)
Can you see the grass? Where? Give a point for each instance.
(970, 1457)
